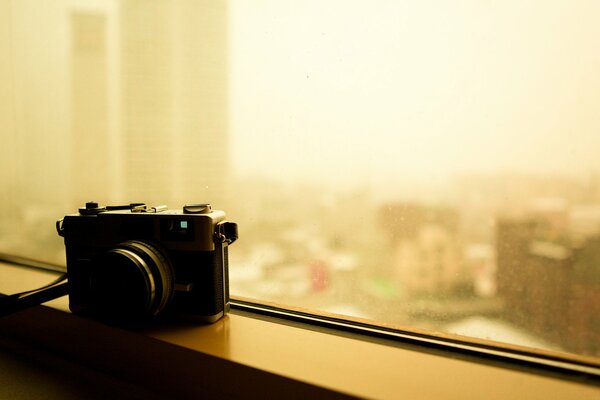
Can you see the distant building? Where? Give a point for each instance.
(551, 288)
(148, 88)
(113, 101)
(174, 121)
(425, 247)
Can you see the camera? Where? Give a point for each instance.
(135, 262)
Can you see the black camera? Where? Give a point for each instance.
(133, 262)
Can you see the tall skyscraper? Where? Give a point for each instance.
(148, 110)
(114, 101)
(173, 78)
(90, 113)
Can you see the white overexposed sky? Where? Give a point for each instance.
(371, 90)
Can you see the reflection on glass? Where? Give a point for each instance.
(431, 164)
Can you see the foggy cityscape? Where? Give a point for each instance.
(390, 202)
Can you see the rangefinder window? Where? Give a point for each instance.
(177, 230)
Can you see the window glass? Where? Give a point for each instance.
(430, 164)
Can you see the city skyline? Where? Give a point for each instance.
(287, 116)
(367, 159)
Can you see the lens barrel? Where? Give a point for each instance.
(131, 281)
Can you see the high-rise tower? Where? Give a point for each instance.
(173, 97)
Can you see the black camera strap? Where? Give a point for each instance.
(20, 301)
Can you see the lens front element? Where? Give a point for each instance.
(131, 281)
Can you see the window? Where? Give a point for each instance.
(430, 165)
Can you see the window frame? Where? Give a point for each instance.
(563, 365)
(298, 354)
(187, 361)
(456, 346)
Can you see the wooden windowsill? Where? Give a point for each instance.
(243, 356)
(247, 357)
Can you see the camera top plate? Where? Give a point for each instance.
(195, 227)
(92, 208)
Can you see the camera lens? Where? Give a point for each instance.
(131, 281)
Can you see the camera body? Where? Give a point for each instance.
(134, 262)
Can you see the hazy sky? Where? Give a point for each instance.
(372, 90)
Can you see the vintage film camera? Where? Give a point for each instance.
(134, 262)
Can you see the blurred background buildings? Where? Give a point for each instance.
(131, 101)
